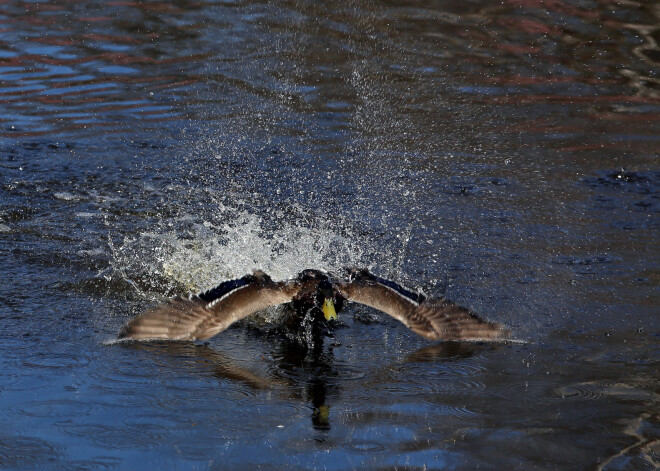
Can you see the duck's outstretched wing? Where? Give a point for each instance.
(433, 319)
(201, 316)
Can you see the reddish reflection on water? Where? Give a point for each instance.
(62, 69)
(501, 153)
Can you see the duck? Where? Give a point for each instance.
(315, 297)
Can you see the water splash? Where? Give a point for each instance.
(206, 253)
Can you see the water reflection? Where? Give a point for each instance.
(643, 453)
(312, 374)
(448, 351)
(93, 67)
(205, 358)
(297, 372)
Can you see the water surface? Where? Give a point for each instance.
(504, 155)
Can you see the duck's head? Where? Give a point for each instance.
(325, 294)
(320, 293)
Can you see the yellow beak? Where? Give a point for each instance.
(329, 310)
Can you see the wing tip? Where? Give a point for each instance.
(479, 331)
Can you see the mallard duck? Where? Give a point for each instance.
(315, 296)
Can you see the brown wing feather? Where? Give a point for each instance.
(242, 303)
(433, 319)
(196, 319)
(449, 321)
(175, 319)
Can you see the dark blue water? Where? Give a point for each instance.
(502, 154)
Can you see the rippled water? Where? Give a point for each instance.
(504, 154)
